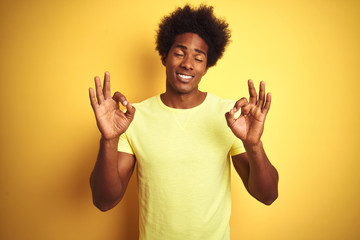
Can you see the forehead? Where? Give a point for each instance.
(191, 41)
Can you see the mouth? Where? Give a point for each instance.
(184, 77)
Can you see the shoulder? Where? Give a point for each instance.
(219, 102)
(147, 109)
(147, 104)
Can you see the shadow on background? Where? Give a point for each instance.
(130, 211)
(78, 199)
(150, 79)
(145, 83)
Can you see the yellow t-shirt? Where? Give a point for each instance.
(183, 163)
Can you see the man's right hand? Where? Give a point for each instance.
(111, 121)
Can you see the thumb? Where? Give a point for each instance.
(230, 119)
(130, 111)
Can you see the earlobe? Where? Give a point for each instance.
(205, 71)
(163, 60)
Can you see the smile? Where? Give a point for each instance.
(184, 76)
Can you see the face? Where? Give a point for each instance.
(185, 63)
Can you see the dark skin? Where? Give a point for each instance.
(185, 66)
(257, 173)
(113, 169)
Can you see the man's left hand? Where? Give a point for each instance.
(249, 126)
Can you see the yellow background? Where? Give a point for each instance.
(307, 52)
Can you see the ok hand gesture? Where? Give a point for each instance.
(111, 121)
(249, 126)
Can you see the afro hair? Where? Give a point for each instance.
(202, 21)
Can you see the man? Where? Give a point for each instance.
(182, 139)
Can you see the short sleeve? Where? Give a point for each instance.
(124, 145)
(237, 147)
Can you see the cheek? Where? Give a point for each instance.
(202, 71)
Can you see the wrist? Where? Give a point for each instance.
(253, 147)
(109, 141)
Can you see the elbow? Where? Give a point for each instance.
(104, 203)
(102, 206)
(265, 195)
(268, 200)
(269, 194)
(104, 200)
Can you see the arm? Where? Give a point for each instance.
(111, 175)
(260, 178)
(258, 175)
(113, 169)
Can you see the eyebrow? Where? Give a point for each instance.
(185, 48)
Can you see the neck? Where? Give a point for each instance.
(183, 101)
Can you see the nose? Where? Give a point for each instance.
(187, 63)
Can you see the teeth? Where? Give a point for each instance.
(184, 76)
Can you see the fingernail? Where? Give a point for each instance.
(125, 103)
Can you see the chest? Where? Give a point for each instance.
(186, 137)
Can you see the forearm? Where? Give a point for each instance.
(263, 177)
(106, 185)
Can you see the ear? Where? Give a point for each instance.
(163, 60)
(206, 69)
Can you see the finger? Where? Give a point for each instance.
(243, 104)
(252, 92)
(92, 98)
(230, 119)
(240, 104)
(245, 110)
(230, 116)
(119, 97)
(99, 92)
(106, 90)
(130, 111)
(261, 100)
(267, 103)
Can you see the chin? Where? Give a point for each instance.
(185, 90)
